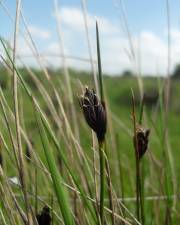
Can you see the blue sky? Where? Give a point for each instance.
(147, 21)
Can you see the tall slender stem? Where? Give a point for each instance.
(16, 110)
(137, 159)
(137, 190)
(109, 183)
(99, 64)
(141, 191)
(102, 179)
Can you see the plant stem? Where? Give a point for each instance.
(99, 64)
(111, 206)
(137, 190)
(121, 177)
(137, 158)
(102, 180)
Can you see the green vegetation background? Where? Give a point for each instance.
(118, 94)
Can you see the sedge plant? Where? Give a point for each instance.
(140, 140)
(95, 114)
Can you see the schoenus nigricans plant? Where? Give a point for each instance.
(94, 113)
(142, 137)
(44, 218)
(140, 141)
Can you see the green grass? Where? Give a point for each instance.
(77, 169)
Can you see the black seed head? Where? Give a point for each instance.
(142, 136)
(94, 113)
(44, 217)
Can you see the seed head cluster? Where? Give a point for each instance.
(142, 137)
(94, 112)
(44, 217)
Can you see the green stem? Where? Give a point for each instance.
(121, 177)
(109, 184)
(102, 180)
(99, 64)
(141, 191)
(137, 159)
(137, 189)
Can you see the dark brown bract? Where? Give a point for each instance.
(44, 217)
(94, 113)
(142, 136)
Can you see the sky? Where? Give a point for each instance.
(133, 34)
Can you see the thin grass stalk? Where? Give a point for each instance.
(37, 160)
(35, 51)
(6, 205)
(132, 54)
(17, 120)
(102, 180)
(164, 134)
(66, 73)
(137, 160)
(40, 198)
(47, 75)
(167, 102)
(60, 104)
(94, 172)
(33, 46)
(141, 110)
(121, 177)
(9, 153)
(50, 132)
(111, 203)
(2, 216)
(36, 191)
(141, 169)
(3, 104)
(9, 190)
(89, 206)
(9, 131)
(84, 9)
(141, 193)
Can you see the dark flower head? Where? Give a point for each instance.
(44, 217)
(94, 113)
(142, 136)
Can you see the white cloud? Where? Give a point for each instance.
(38, 32)
(115, 46)
(73, 17)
